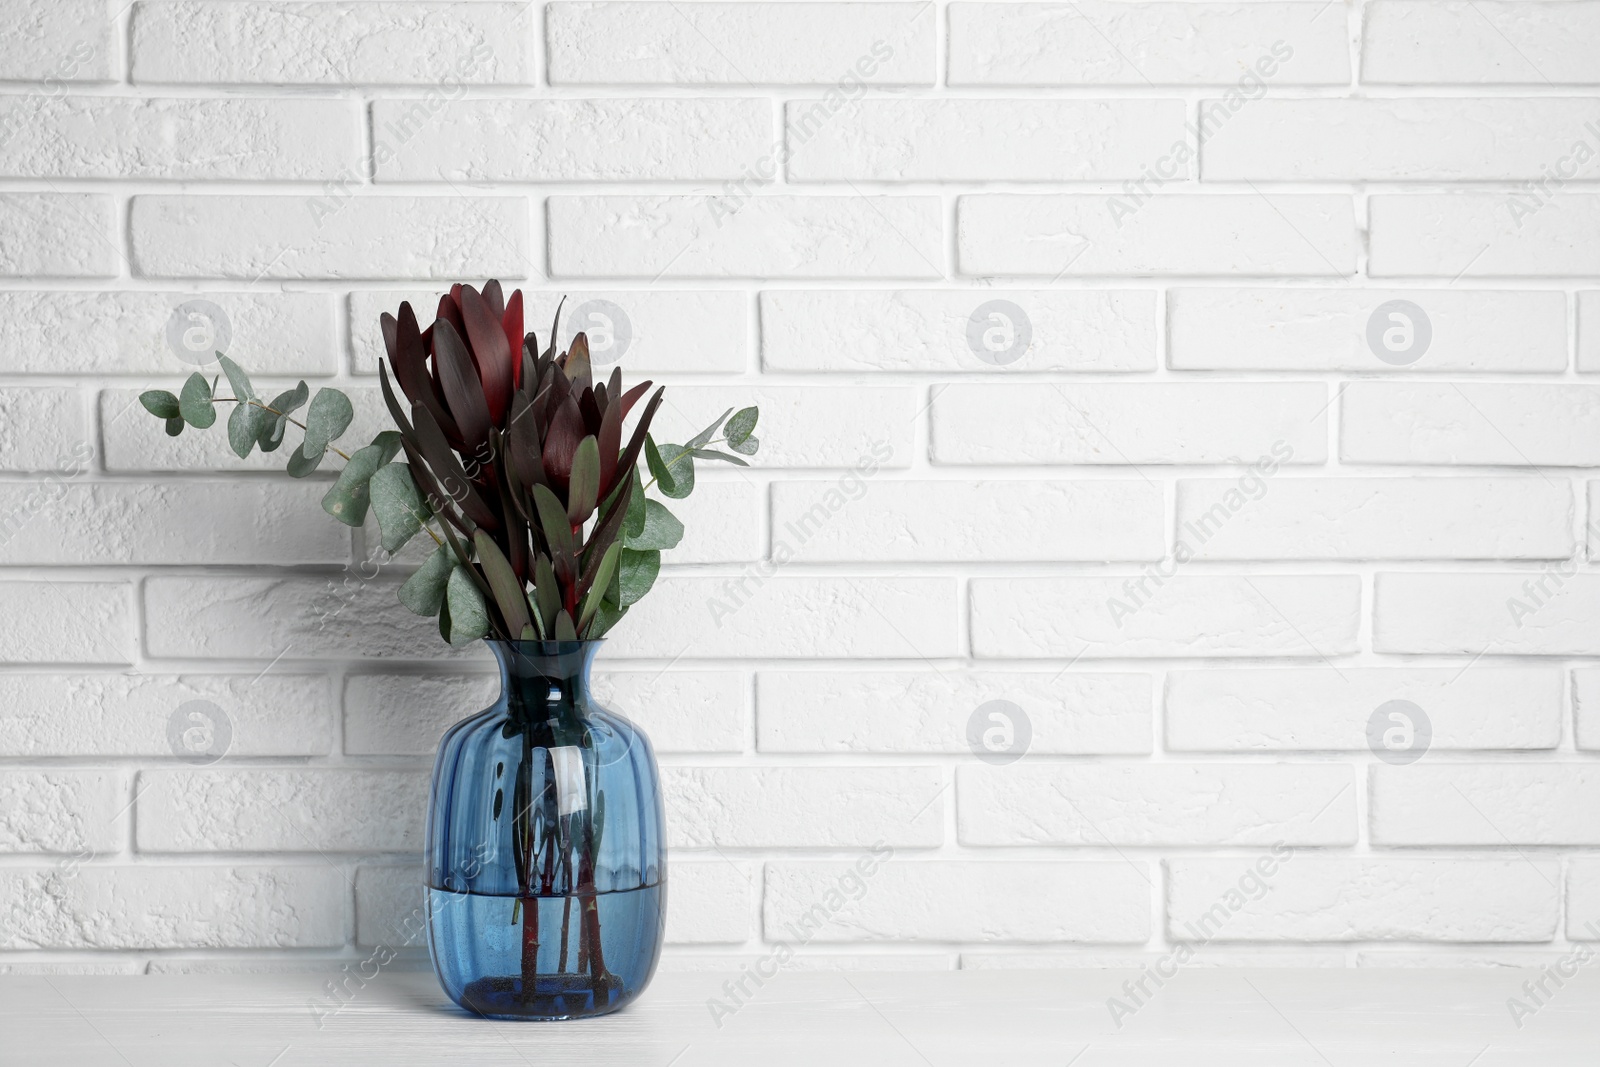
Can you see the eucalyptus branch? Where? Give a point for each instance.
(253, 402)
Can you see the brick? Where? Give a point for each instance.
(950, 330)
(928, 711)
(792, 618)
(41, 429)
(1396, 140)
(1117, 423)
(1327, 329)
(723, 521)
(803, 807)
(1376, 518)
(804, 426)
(555, 140)
(745, 236)
(843, 44)
(1320, 709)
(1547, 613)
(267, 42)
(1185, 615)
(1170, 233)
(1478, 235)
(956, 900)
(711, 902)
(1174, 44)
(1312, 898)
(177, 138)
(1589, 330)
(151, 907)
(390, 907)
(185, 522)
(281, 809)
(84, 714)
(934, 521)
(1156, 804)
(1486, 804)
(70, 812)
(137, 441)
(980, 140)
(57, 235)
(1493, 43)
(334, 617)
(681, 711)
(649, 335)
(1586, 707)
(1592, 520)
(1583, 900)
(1471, 423)
(115, 333)
(59, 41)
(340, 235)
(66, 622)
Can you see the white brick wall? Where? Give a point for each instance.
(1174, 384)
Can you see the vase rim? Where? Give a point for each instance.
(545, 648)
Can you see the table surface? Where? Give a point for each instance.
(1202, 1016)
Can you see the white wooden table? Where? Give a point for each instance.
(1319, 1018)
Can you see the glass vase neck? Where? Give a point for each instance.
(540, 673)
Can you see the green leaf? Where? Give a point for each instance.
(400, 507)
(469, 615)
(565, 631)
(424, 591)
(711, 453)
(747, 447)
(546, 592)
(676, 478)
(273, 425)
(350, 497)
(328, 417)
(661, 529)
(604, 619)
(583, 489)
(301, 464)
(706, 434)
(638, 570)
(614, 589)
(174, 427)
(286, 402)
(237, 379)
(741, 426)
(553, 519)
(244, 426)
(597, 591)
(160, 403)
(194, 404)
(271, 435)
(633, 522)
(503, 583)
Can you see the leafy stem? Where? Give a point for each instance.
(267, 407)
(684, 451)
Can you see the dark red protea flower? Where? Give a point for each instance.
(516, 450)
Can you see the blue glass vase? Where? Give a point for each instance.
(546, 861)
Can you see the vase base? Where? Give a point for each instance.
(553, 997)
